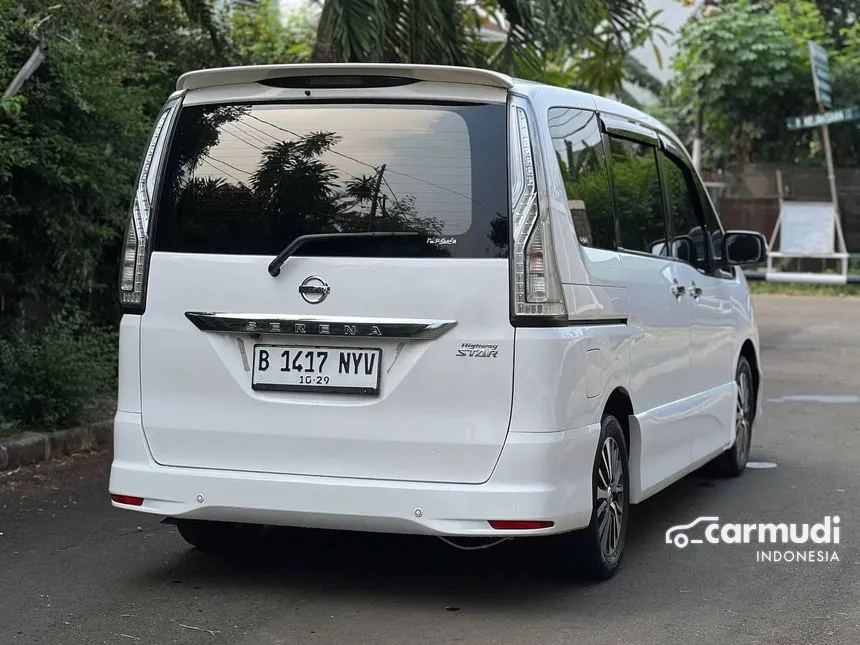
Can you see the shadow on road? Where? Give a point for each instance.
(419, 569)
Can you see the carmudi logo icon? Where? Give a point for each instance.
(708, 529)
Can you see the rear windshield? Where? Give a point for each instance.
(248, 179)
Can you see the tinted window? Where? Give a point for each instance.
(689, 238)
(712, 224)
(579, 151)
(638, 196)
(249, 179)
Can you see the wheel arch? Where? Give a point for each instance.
(620, 406)
(619, 403)
(748, 352)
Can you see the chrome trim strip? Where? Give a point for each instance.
(329, 326)
(628, 130)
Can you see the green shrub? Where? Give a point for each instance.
(50, 378)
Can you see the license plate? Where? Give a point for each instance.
(300, 368)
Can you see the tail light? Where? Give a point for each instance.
(136, 244)
(537, 292)
(520, 525)
(128, 500)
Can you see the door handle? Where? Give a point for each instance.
(695, 291)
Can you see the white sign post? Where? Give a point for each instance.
(807, 230)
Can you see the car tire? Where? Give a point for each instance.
(733, 461)
(217, 536)
(595, 552)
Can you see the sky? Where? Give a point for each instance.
(674, 15)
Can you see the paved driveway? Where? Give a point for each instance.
(73, 570)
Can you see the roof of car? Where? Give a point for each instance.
(220, 76)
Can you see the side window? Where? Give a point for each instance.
(578, 145)
(689, 241)
(638, 195)
(712, 224)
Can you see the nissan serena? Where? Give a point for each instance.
(423, 300)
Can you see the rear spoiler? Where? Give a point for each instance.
(200, 79)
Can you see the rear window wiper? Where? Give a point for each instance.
(301, 240)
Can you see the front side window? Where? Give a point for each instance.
(712, 224)
(578, 145)
(250, 178)
(689, 238)
(639, 198)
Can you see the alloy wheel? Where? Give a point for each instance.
(742, 415)
(610, 498)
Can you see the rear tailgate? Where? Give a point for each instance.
(395, 361)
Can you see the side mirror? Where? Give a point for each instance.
(744, 247)
(658, 248)
(682, 247)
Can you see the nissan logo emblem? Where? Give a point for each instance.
(314, 290)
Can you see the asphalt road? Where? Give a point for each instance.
(74, 570)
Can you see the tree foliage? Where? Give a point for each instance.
(584, 44)
(747, 68)
(70, 145)
(71, 139)
(259, 35)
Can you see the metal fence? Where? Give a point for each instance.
(746, 195)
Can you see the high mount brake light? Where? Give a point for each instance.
(136, 244)
(337, 81)
(537, 292)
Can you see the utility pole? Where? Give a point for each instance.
(823, 96)
(707, 9)
(376, 188)
(697, 136)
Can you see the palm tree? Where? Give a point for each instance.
(584, 44)
(202, 14)
(415, 31)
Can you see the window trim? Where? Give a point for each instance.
(629, 130)
(607, 155)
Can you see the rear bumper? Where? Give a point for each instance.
(539, 476)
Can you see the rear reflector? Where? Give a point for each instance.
(518, 525)
(127, 499)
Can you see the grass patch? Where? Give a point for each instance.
(800, 289)
(8, 431)
(98, 410)
(53, 378)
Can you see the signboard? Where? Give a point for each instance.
(841, 115)
(820, 74)
(807, 228)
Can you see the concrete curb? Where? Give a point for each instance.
(32, 447)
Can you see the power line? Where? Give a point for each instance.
(231, 176)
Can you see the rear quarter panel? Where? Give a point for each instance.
(564, 375)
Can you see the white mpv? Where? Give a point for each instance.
(426, 300)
